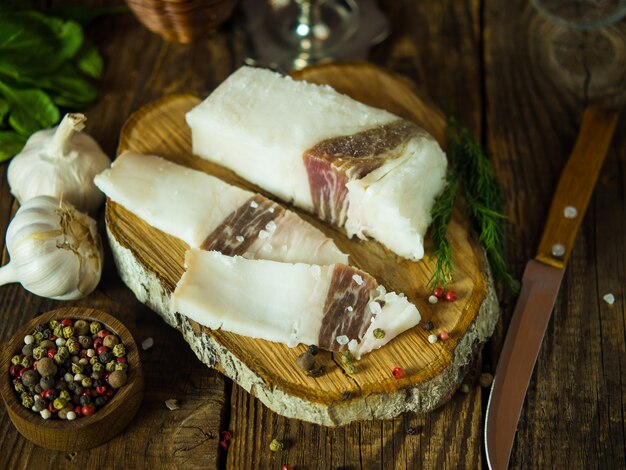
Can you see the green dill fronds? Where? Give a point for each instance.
(442, 214)
(471, 171)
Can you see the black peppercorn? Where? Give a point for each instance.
(47, 382)
(61, 385)
(106, 357)
(84, 400)
(313, 350)
(30, 378)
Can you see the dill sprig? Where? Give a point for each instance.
(441, 214)
(470, 172)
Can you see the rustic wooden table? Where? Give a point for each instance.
(470, 55)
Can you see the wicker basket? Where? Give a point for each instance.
(182, 21)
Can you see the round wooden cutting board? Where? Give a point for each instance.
(151, 263)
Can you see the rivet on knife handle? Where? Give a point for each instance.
(576, 186)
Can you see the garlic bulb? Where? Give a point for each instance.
(55, 250)
(60, 162)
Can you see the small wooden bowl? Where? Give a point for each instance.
(84, 432)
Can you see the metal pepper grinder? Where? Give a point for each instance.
(292, 34)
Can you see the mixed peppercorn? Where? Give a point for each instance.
(69, 369)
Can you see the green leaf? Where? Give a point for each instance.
(89, 60)
(5, 109)
(31, 109)
(84, 14)
(69, 83)
(70, 36)
(66, 86)
(32, 43)
(10, 144)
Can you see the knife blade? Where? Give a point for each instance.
(541, 282)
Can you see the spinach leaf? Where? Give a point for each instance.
(31, 43)
(31, 109)
(89, 60)
(68, 34)
(5, 109)
(10, 144)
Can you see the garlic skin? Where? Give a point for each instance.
(60, 162)
(56, 251)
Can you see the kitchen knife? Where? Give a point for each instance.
(540, 284)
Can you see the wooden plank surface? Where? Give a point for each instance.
(469, 55)
(574, 411)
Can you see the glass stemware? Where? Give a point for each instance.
(291, 34)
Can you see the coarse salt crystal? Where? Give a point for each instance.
(263, 234)
(609, 299)
(239, 238)
(342, 340)
(147, 343)
(358, 279)
(375, 308)
(254, 205)
(271, 226)
(172, 404)
(432, 339)
(390, 297)
(381, 291)
(271, 210)
(349, 308)
(570, 212)
(352, 345)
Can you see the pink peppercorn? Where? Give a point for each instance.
(451, 296)
(438, 292)
(225, 437)
(398, 372)
(15, 370)
(443, 335)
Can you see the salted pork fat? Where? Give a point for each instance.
(354, 166)
(335, 307)
(207, 213)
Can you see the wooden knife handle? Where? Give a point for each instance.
(576, 186)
